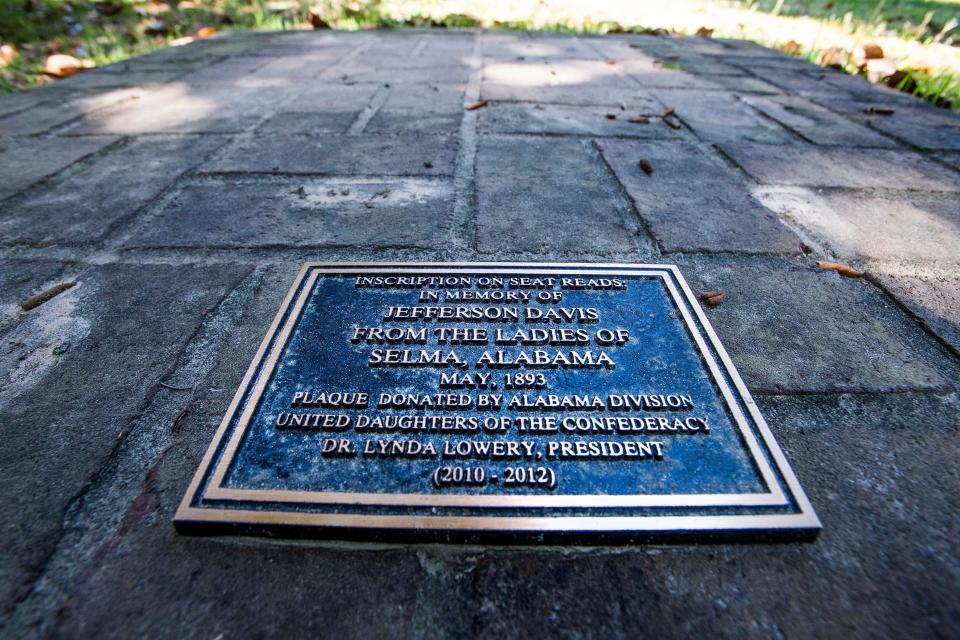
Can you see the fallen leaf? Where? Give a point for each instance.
(205, 32)
(704, 32)
(610, 116)
(60, 65)
(313, 17)
(671, 122)
(834, 57)
(611, 62)
(842, 269)
(473, 106)
(646, 166)
(713, 298)
(869, 51)
(669, 112)
(829, 5)
(880, 111)
(639, 120)
(791, 48)
(7, 54)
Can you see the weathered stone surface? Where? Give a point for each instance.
(25, 162)
(918, 227)
(21, 280)
(775, 322)
(952, 159)
(99, 350)
(811, 166)
(921, 127)
(816, 124)
(419, 108)
(184, 108)
(719, 117)
(547, 194)
(557, 119)
(405, 155)
(504, 46)
(933, 297)
(576, 82)
(84, 205)
(377, 212)
(51, 114)
(719, 215)
(321, 107)
(861, 373)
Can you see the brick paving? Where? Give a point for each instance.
(181, 192)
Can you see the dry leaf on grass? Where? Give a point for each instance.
(60, 65)
(791, 48)
(7, 54)
(646, 166)
(704, 32)
(205, 32)
(479, 104)
(869, 51)
(842, 269)
(669, 112)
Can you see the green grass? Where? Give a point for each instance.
(921, 20)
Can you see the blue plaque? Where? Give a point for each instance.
(495, 400)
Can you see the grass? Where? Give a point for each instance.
(919, 35)
(919, 20)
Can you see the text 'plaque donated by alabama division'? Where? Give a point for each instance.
(567, 400)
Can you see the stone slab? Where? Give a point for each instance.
(933, 297)
(100, 349)
(817, 124)
(401, 155)
(719, 215)
(718, 117)
(419, 108)
(321, 107)
(503, 46)
(569, 120)
(27, 161)
(812, 166)
(377, 212)
(791, 327)
(180, 107)
(549, 194)
(48, 115)
(85, 205)
(917, 227)
(924, 128)
(575, 82)
(440, 72)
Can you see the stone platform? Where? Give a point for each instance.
(181, 192)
